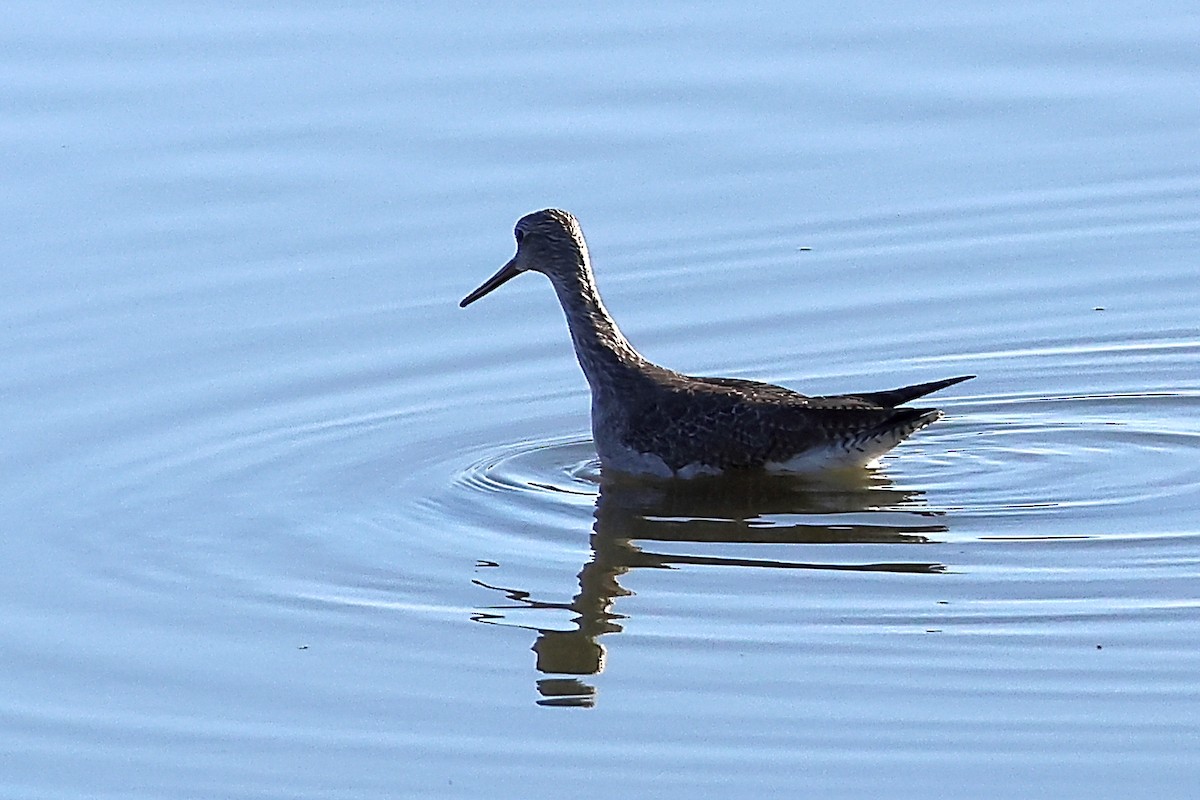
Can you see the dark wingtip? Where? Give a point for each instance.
(894, 397)
(952, 381)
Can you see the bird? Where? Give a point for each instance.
(651, 421)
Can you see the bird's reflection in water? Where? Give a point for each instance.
(636, 524)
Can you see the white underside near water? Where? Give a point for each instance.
(632, 462)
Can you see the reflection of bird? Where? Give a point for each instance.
(841, 524)
(752, 509)
(649, 420)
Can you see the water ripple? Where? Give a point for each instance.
(1023, 455)
(566, 466)
(996, 456)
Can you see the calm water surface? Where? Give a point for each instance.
(282, 521)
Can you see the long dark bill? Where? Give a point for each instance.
(506, 274)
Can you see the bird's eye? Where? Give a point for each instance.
(519, 234)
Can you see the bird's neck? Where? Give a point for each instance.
(603, 351)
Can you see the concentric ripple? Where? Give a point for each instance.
(996, 457)
(566, 465)
(1047, 456)
(1073, 471)
(282, 520)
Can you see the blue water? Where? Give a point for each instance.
(281, 520)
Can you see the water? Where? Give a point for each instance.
(282, 521)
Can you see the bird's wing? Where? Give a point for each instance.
(751, 391)
(894, 397)
(884, 399)
(729, 423)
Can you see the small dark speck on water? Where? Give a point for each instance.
(302, 647)
(483, 563)
(805, 249)
(1099, 647)
(1098, 308)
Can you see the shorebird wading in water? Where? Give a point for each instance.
(649, 420)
